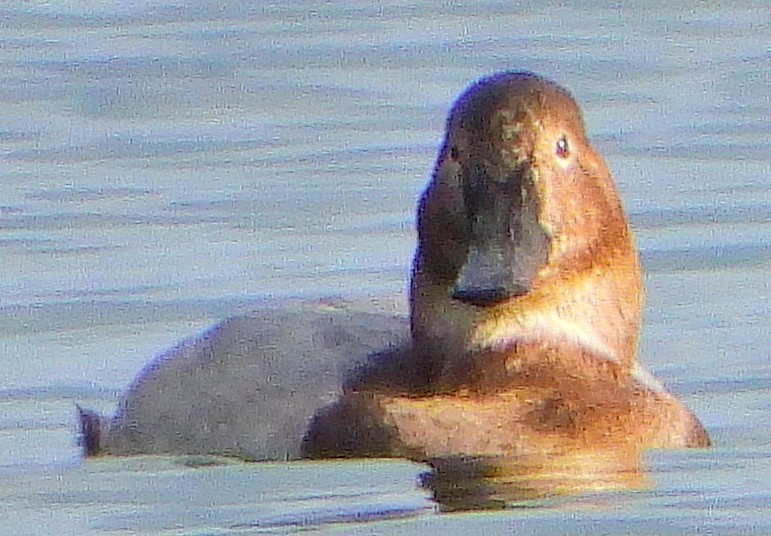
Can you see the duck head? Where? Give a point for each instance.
(522, 237)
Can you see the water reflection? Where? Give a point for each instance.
(493, 482)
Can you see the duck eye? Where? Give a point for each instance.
(563, 148)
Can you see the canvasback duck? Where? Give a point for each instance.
(525, 306)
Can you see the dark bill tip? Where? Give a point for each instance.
(485, 297)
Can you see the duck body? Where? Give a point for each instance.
(520, 364)
(246, 387)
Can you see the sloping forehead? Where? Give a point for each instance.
(515, 93)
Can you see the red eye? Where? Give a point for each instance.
(563, 148)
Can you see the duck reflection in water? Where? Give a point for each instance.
(520, 379)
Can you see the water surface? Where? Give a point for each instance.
(166, 167)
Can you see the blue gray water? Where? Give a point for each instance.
(162, 168)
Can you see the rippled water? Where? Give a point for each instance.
(166, 167)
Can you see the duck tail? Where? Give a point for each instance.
(92, 426)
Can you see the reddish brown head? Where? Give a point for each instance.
(522, 235)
